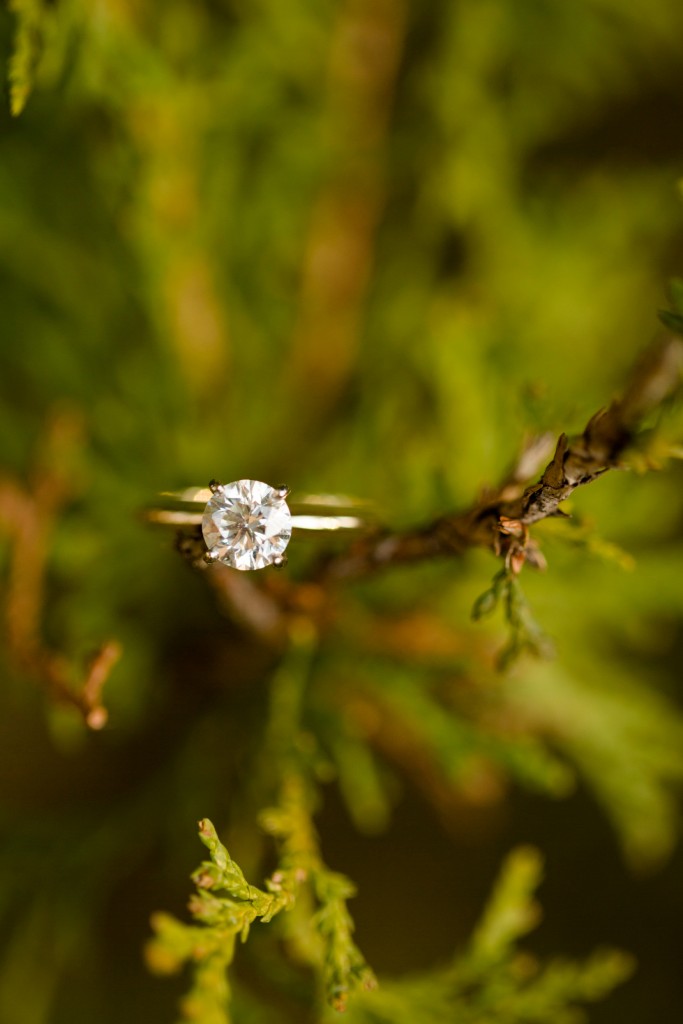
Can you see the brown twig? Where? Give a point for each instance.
(500, 521)
(27, 517)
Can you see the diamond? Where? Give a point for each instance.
(247, 524)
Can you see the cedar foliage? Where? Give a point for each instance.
(366, 248)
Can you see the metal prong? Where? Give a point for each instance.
(282, 491)
(214, 486)
(280, 561)
(210, 557)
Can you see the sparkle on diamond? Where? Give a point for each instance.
(246, 524)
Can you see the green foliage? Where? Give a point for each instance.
(492, 979)
(585, 537)
(27, 48)
(625, 742)
(43, 36)
(364, 249)
(525, 633)
(439, 723)
(673, 318)
(226, 906)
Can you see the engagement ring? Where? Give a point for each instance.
(248, 524)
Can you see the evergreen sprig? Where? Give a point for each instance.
(673, 317)
(26, 53)
(225, 906)
(493, 979)
(525, 633)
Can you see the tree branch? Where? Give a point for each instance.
(28, 515)
(500, 521)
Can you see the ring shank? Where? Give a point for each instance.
(313, 513)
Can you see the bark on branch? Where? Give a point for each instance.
(500, 521)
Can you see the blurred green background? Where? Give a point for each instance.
(366, 247)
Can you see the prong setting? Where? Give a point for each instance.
(283, 491)
(214, 485)
(246, 524)
(280, 561)
(210, 557)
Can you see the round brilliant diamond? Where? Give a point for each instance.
(247, 524)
